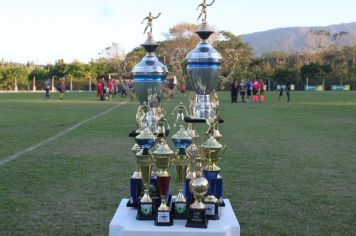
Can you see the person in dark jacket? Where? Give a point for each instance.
(234, 91)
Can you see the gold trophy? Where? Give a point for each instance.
(162, 158)
(198, 187)
(213, 151)
(146, 140)
(181, 140)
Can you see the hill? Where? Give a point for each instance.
(293, 39)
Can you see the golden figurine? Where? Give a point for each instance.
(180, 114)
(160, 124)
(203, 6)
(149, 19)
(141, 115)
(191, 103)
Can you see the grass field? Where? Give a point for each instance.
(290, 168)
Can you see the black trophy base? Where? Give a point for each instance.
(179, 210)
(221, 203)
(189, 119)
(145, 211)
(130, 204)
(212, 210)
(163, 218)
(197, 219)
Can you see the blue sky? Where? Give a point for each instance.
(42, 31)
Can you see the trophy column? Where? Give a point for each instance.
(181, 140)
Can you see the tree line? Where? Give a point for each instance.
(320, 65)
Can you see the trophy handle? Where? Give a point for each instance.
(222, 151)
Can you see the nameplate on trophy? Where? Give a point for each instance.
(163, 217)
(210, 209)
(180, 207)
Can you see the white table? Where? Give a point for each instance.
(124, 223)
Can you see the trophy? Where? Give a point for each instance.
(213, 151)
(149, 77)
(198, 187)
(146, 140)
(203, 67)
(162, 158)
(135, 181)
(181, 140)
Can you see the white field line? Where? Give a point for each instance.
(60, 134)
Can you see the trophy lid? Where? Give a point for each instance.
(212, 143)
(204, 52)
(163, 149)
(181, 134)
(146, 134)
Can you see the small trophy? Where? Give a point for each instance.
(213, 151)
(162, 158)
(135, 181)
(146, 140)
(181, 140)
(198, 187)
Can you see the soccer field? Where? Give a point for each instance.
(290, 168)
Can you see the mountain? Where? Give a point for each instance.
(293, 39)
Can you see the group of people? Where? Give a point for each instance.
(60, 88)
(254, 88)
(107, 89)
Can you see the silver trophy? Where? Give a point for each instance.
(149, 77)
(203, 67)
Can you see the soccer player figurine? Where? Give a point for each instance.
(160, 124)
(149, 19)
(203, 6)
(180, 114)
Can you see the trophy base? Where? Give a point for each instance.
(145, 211)
(212, 210)
(131, 204)
(197, 219)
(163, 218)
(221, 203)
(190, 119)
(179, 210)
(135, 192)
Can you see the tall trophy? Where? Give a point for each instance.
(181, 140)
(203, 67)
(162, 158)
(198, 187)
(146, 140)
(213, 151)
(149, 76)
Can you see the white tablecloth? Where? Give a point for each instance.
(124, 223)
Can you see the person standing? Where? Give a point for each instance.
(61, 88)
(255, 90)
(248, 90)
(100, 90)
(288, 90)
(47, 86)
(261, 88)
(234, 91)
(242, 90)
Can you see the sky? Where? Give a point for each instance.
(42, 31)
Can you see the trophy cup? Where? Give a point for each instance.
(162, 158)
(146, 140)
(181, 140)
(213, 151)
(149, 77)
(198, 187)
(203, 67)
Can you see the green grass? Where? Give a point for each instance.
(289, 168)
